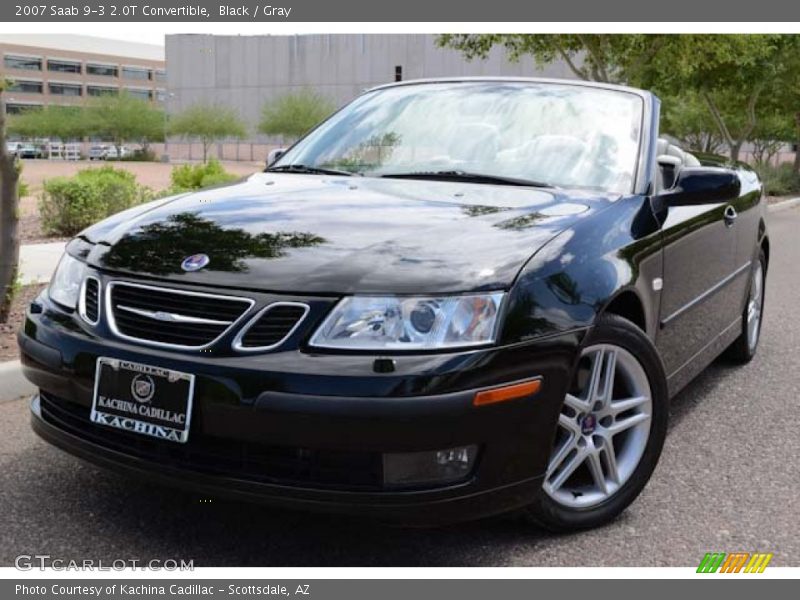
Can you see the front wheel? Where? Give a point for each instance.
(610, 431)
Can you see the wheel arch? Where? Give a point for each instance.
(627, 304)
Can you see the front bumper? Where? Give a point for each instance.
(309, 430)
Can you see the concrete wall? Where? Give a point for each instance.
(246, 71)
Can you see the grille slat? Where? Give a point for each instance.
(163, 302)
(272, 326)
(91, 300)
(178, 303)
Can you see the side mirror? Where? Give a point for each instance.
(274, 155)
(703, 185)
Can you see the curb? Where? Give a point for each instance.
(12, 381)
(786, 204)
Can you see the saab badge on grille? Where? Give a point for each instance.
(195, 262)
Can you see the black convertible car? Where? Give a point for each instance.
(452, 298)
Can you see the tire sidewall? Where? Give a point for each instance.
(761, 259)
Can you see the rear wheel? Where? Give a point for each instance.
(610, 431)
(744, 348)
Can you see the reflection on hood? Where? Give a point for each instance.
(160, 247)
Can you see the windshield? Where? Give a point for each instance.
(558, 134)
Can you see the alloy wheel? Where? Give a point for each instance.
(603, 428)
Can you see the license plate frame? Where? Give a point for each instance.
(143, 399)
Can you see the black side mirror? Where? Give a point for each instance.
(703, 185)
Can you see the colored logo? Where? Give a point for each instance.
(735, 562)
(195, 262)
(588, 424)
(143, 387)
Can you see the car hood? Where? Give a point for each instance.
(338, 235)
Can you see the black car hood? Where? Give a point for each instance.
(324, 234)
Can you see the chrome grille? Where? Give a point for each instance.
(271, 327)
(170, 317)
(89, 301)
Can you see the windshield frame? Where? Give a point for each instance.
(643, 169)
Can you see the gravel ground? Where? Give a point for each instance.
(728, 481)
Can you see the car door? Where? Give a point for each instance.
(699, 299)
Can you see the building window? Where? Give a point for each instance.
(102, 70)
(64, 66)
(160, 75)
(65, 89)
(22, 62)
(398, 73)
(140, 94)
(136, 73)
(26, 87)
(161, 95)
(15, 109)
(99, 90)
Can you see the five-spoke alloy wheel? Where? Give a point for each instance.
(603, 428)
(610, 429)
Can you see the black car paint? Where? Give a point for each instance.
(565, 256)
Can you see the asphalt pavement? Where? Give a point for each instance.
(728, 480)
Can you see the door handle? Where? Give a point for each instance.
(730, 215)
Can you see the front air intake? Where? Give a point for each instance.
(271, 327)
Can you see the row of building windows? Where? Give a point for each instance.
(74, 89)
(76, 67)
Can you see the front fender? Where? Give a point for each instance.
(571, 280)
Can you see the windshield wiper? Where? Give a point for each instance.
(466, 176)
(297, 168)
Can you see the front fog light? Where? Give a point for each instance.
(433, 467)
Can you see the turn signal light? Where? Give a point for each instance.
(509, 392)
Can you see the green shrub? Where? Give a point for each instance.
(69, 204)
(780, 180)
(195, 177)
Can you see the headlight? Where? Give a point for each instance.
(66, 283)
(400, 323)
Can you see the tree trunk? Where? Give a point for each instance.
(796, 164)
(206, 144)
(736, 147)
(9, 222)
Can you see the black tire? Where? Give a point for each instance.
(547, 512)
(741, 351)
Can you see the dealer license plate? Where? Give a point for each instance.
(143, 399)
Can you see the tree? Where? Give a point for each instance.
(610, 58)
(775, 127)
(686, 117)
(293, 115)
(208, 123)
(732, 74)
(124, 118)
(9, 217)
(60, 122)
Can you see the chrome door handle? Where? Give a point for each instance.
(730, 215)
